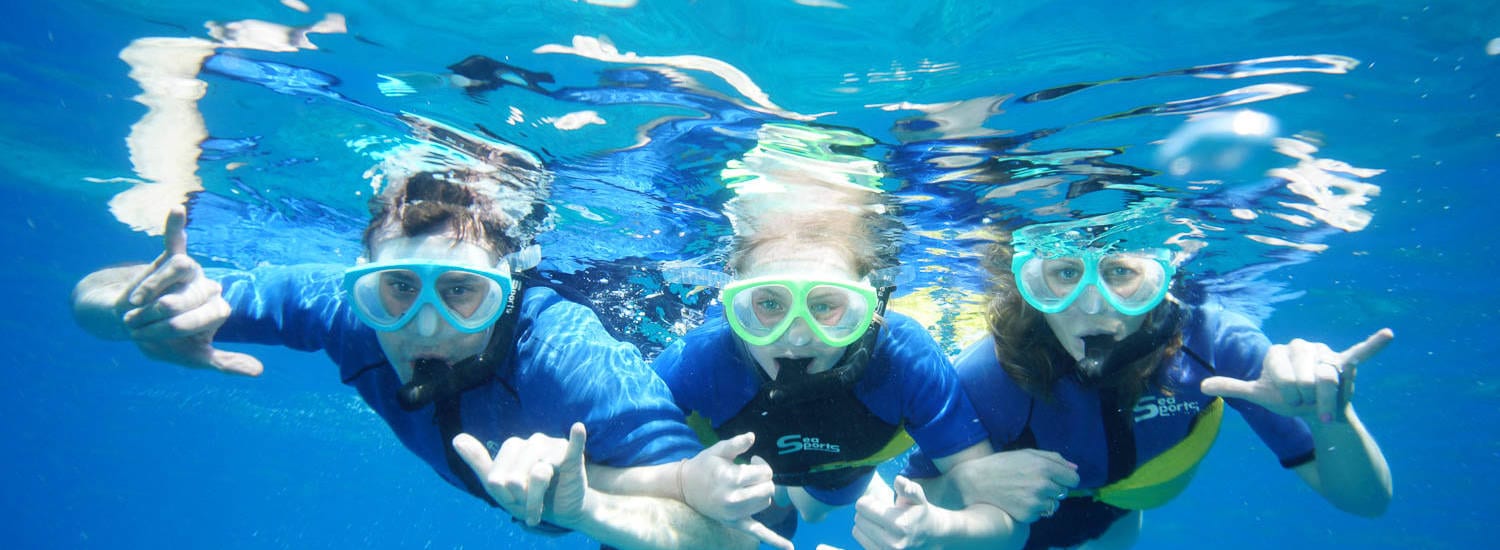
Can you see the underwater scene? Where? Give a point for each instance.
(1172, 189)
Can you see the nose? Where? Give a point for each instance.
(427, 321)
(1090, 302)
(799, 334)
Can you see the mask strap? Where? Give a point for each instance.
(524, 259)
(696, 276)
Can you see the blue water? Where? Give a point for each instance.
(110, 450)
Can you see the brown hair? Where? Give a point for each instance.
(433, 202)
(1026, 346)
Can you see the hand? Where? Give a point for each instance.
(1028, 484)
(717, 487)
(1303, 379)
(894, 519)
(527, 473)
(172, 310)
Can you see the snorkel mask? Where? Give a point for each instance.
(387, 295)
(1131, 282)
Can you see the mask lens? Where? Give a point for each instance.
(1134, 283)
(1050, 284)
(385, 297)
(761, 309)
(838, 311)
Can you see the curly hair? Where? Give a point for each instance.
(432, 202)
(1028, 350)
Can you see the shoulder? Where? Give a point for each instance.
(553, 333)
(905, 342)
(1231, 342)
(703, 353)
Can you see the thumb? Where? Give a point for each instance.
(734, 446)
(765, 534)
(174, 236)
(473, 453)
(1224, 386)
(235, 363)
(578, 438)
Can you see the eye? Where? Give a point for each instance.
(770, 306)
(1067, 273)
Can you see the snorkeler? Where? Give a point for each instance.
(808, 375)
(1090, 356)
(459, 353)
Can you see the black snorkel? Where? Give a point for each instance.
(1104, 359)
(793, 384)
(435, 379)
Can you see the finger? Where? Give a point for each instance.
(578, 438)
(879, 490)
(235, 363)
(206, 318)
(1311, 358)
(536, 492)
(758, 472)
(765, 534)
(734, 446)
(1052, 457)
(1358, 353)
(1224, 386)
(1327, 390)
(175, 235)
(910, 491)
(1066, 478)
(473, 453)
(168, 272)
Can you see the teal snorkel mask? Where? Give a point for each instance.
(1131, 282)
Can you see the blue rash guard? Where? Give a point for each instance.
(564, 367)
(908, 383)
(1074, 424)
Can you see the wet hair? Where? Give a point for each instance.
(868, 237)
(1028, 350)
(427, 203)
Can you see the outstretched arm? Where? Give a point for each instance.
(169, 308)
(1311, 381)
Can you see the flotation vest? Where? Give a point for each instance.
(816, 433)
(1162, 478)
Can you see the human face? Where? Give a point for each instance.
(427, 335)
(802, 262)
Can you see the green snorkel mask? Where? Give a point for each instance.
(761, 310)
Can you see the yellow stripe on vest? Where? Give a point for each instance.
(1162, 478)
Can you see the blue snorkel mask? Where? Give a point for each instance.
(1131, 282)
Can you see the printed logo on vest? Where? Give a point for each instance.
(1153, 406)
(796, 443)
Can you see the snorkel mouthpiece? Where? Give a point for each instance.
(1096, 353)
(792, 370)
(428, 378)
